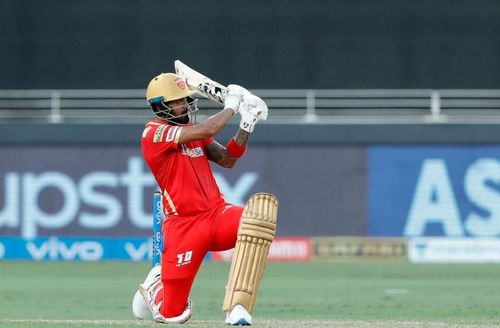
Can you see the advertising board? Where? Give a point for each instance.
(448, 191)
(96, 191)
(454, 250)
(364, 248)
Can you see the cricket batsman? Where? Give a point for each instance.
(198, 218)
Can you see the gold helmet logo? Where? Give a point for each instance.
(167, 87)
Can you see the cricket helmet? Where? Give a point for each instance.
(168, 87)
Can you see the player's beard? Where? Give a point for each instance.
(182, 119)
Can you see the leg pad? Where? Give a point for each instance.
(255, 235)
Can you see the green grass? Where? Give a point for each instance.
(294, 294)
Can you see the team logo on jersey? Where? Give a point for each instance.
(180, 83)
(171, 133)
(191, 152)
(160, 131)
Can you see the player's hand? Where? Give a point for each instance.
(234, 97)
(252, 110)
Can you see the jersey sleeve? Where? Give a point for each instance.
(161, 137)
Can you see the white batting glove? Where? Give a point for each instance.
(234, 96)
(252, 110)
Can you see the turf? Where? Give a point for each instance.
(318, 294)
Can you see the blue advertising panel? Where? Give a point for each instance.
(434, 191)
(78, 249)
(75, 249)
(91, 191)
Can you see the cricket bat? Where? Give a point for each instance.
(198, 82)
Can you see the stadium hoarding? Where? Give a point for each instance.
(359, 248)
(454, 250)
(86, 191)
(75, 248)
(126, 248)
(447, 191)
(282, 249)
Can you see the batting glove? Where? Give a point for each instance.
(252, 110)
(234, 96)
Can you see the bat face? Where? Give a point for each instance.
(200, 83)
(212, 91)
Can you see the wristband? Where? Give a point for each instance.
(234, 149)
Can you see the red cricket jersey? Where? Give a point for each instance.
(182, 171)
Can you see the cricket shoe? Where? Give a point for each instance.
(182, 318)
(238, 316)
(140, 308)
(150, 289)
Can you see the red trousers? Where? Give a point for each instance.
(187, 239)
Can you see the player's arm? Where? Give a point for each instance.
(215, 123)
(252, 109)
(229, 155)
(206, 129)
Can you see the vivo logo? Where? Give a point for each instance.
(139, 253)
(54, 249)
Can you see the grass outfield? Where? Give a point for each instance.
(326, 294)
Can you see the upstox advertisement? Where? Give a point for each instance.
(92, 203)
(417, 191)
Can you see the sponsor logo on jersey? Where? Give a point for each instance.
(171, 133)
(192, 152)
(160, 131)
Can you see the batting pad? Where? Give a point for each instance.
(255, 235)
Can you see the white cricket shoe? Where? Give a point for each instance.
(153, 276)
(182, 318)
(149, 290)
(140, 308)
(238, 316)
